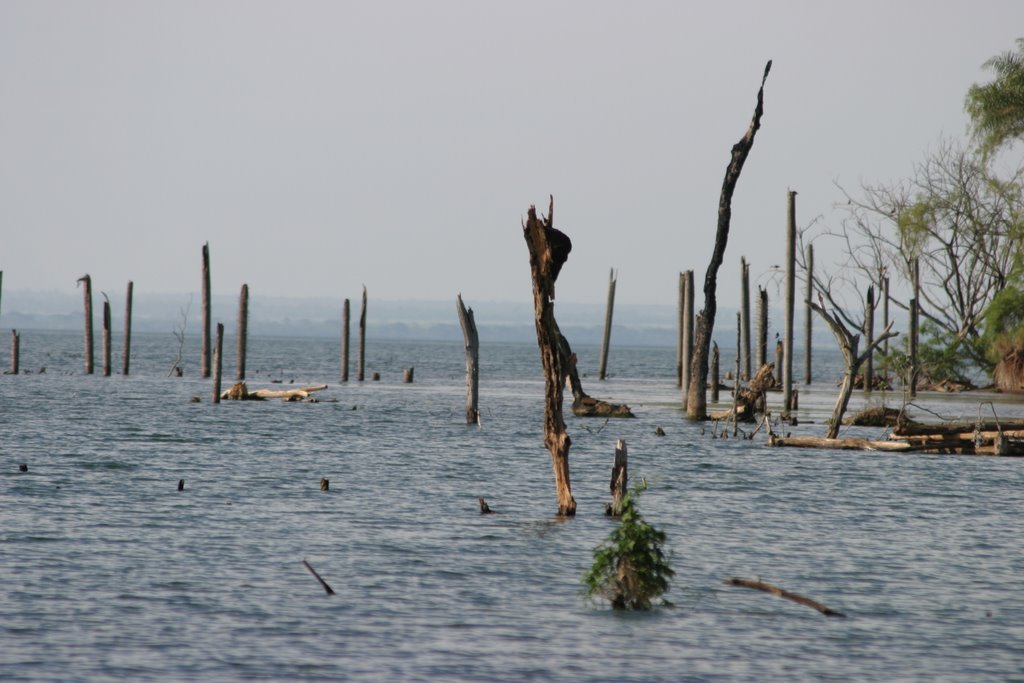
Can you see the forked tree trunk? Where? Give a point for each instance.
(697, 399)
(549, 248)
(472, 344)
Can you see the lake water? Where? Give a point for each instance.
(109, 572)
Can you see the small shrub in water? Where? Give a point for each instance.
(630, 569)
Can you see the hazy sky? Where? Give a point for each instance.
(320, 146)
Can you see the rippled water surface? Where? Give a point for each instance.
(109, 572)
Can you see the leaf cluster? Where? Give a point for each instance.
(630, 567)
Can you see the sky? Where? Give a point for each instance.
(323, 146)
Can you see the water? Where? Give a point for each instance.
(109, 572)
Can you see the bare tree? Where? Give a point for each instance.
(179, 335)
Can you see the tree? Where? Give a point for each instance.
(997, 108)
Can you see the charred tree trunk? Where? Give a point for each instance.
(697, 400)
(715, 373)
(605, 341)
(869, 338)
(361, 370)
(472, 344)
(87, 301)
(243, 331)
(549, 248)
(126, 353)
(204, 354)
(344, 341)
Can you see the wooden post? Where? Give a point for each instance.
(745, 317)
(243, 331)
(869, 337)
(780, 360)
(687, 336)
(407, 375)
(106, 336)
(697, 400)
(360, 371)
(549, 248)
(679, 331)
(808, 315)
(218, 355)
(204, 357)
(620, 479)
(607, 325)
(126, 353)
(787, 372)
(715, 371)
(762, 327)
(344, 341)
(87, 300)
(472, 343)
(15, 352)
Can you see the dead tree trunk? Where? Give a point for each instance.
(679, 331)
(808, 318)
(620, 480)
(243, 331)
(218, 363)
(687, 335)
(869, 338)
(885, 323)
(915, 320)
(762, 327)
(549, 248)
(344, 341)
(126, 353)
(697, 401)
(361, 370)
(787, 369)
(601, 372)
(472, 344)
(715, 373)
(204, 354)
(87, 301)
(15, 353)
(848, 343)
(106, 336)
(745, 317)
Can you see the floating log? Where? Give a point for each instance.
(243, 330)
(606, 339)
(204, 356)
(758, 584)
(87, 302)
(240, 392)
(850, 444)
(126, 353)
(620, 480)
(471, 341)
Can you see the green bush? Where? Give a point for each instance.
(630, 568)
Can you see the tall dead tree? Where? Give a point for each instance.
(687, 353)
(761, 348)
(243, 331)
(126, 353)
(549, 248)
(472, 343)
(204, 355)
(361, 368)
(106, 335)
(787, 370)
(606, 339)
(808, 320)
(745, 318)
(345, 314)
(87, 302)
(697, 401)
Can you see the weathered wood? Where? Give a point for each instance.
(687, 335)
(126, 353)
(240, 392)
(915, 319)
(780, 360)
(1009, 426)
(745, 317)
(327, 589)
(715, 372)
(15, 353)
(696, 404)
(584, 405)
(679, 330)
(856, 444)
(471, 341)
(325, 484)
(218, 355)
(106, 335)
(761, 355)
(204, 354)
(407, 375)
(344, 341)
(606, 339)
(787, 370)
(736, 379)
(243, 331)
(620, 479)
(86, 281)
(485, 509)
(361, 368)
(869, 338)
(549, 248)
(808, 314)
(758, 584)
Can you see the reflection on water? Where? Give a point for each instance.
(111, 572)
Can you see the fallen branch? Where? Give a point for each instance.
(330, 591)
(760, 585)
(851, 444)
(239, 392)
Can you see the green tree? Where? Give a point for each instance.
(997, 108)
(630, 568)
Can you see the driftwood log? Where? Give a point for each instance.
(240, 392)
(758, 584)
(838, 444)
(751, 399)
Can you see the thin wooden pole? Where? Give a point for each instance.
(243, 330)
(472, 344)
(688, 322)
(218, 355)
(602, 369)
(344, 341)
(736, 381)
(204, 358)
(361, 370)
(745, 317)
(780, 360)
(127, 352)
(679, 330)
(869, 337)
(106, 336)
(87, 301)
(787, 372)
(762, 327)
(808, 314)
(15, 352)
(915, 318)
(716, 374)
